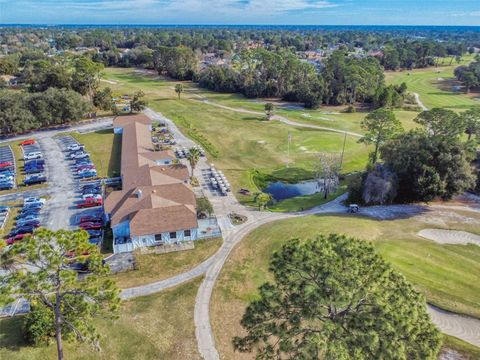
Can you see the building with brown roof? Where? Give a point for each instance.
(157, 205)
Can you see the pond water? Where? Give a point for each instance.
(280, 190)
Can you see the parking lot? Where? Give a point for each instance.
(7, 168)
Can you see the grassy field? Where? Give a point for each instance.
(105, 149)
(158, 326)
(239, 143)
(156, 267)
(446, 274)
(436, 86)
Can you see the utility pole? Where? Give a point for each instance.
(343, 150)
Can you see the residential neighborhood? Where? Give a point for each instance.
(287, 185)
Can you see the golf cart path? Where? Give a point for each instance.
(463, 327)
(443, 236)
(419, 102)
(280, 118)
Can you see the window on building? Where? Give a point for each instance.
(173, 235)
(158, 237)
(187, 233)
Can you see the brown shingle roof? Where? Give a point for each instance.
(161, 220)
(155, 198)
(121, 121)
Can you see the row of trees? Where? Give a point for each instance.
(343, 80)
(469, 75)
(21, 111)
(422, 164)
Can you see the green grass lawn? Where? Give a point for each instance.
(105, 149)
(446, 274)
(156, 267)
(435, 86)
(239, 143)
(158, 326)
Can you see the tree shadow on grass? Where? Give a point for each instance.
(11, 335)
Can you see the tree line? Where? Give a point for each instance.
(262, 73)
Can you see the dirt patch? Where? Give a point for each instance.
(442, 236)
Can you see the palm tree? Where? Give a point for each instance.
(269, 110)
(193, 157)
(179, 89)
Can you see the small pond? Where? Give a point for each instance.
(280, 190)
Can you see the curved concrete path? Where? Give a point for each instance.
(419, 102)
(280, 118)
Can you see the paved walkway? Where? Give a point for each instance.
(419, 102)
(280, 118)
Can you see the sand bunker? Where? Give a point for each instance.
(450, 236)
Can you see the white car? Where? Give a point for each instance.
(33, 200)
(75, 147)
(79, 155)
(33, 155)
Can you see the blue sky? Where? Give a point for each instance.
(315, 12)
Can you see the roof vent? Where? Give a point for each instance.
(139, 194)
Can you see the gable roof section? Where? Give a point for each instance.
(155, 198)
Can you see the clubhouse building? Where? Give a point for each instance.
(156, 205)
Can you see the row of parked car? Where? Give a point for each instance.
(92, 222)
(34, 164)
(7, 168)
(83, 166)
(27, 220)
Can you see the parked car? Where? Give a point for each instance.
(27, 142)
(91, 226)
(33, 155)
(33, 205)
(92, 196)
(5, 164)
(34, 223)
(23, 215)
(35, 179)
(81, 155)
(27, 229)
(34, 170)
(89, 203)
(6, 186)
(26, 219)
(93, 233)
(35, 162)
(89, 174)
(89, 218)
(33, 200)
(75, 147)
(15, 238)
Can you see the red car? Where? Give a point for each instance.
(91, 226)
(90, 202)
(90, 218)
(5, 164)
(27, 142)
(18, 237)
